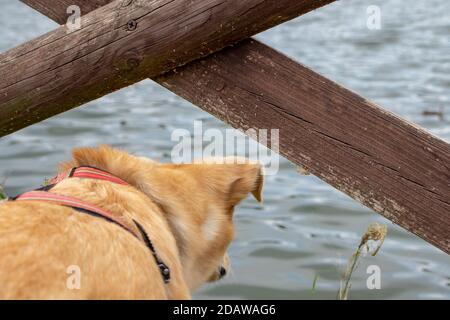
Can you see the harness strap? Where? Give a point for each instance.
(163, 268)
(74, 203)
(136, 230)
(87, 172)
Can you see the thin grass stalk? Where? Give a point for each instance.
(375, 232)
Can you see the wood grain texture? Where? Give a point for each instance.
(62, 70)
(57, 9)
(380, 160)
(375, 157)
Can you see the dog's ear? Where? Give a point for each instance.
(101, 157)
(237, 177)
(258, 190)
(115, 161)
(245, 179)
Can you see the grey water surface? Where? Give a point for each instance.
(305, 231)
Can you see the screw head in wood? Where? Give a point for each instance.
(132, 63)
(132, 25)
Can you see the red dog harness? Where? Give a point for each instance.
(136, 230)
(87, 172)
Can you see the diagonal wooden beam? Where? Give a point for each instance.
(394, 167)
(57, 9)
(122, 43)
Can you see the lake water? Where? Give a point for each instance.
(305, 229)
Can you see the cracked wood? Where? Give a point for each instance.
(60, 70)
(394, 167)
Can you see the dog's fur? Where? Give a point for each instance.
(186, 210)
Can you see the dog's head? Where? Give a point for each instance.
(198, 201)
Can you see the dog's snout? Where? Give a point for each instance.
(222, 272)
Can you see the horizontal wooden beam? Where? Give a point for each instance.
(394, 167)
(122, 43)
(380, 160)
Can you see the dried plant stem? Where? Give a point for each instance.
(343, 292)
(375, 232)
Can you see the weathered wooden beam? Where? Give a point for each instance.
(394, 167)
(391, 166)
(57, 9)
(122, 43)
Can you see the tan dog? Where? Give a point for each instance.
(186, 210)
